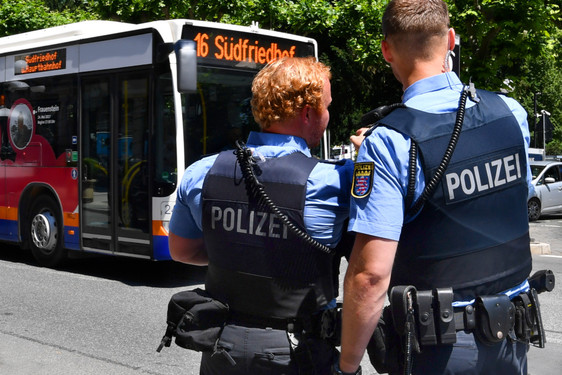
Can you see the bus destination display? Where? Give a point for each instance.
(40, 61)
(237, 49)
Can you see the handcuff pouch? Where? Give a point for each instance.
(495, 317)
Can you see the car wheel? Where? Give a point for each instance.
(534, 209)
(45, 232)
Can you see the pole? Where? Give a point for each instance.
(544, 131)
(535, 116)
(544, 113)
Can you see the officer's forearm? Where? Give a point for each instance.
(362, 309)
(365, 286)
(187, 250)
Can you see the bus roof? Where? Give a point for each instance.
(62, 34)
(95, 28)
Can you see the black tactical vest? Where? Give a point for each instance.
(473, 233)
(256, 265)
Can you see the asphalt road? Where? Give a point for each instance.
(548, 230)
(107, 315)
(94, 316)
(548, 361)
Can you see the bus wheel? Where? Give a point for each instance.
(45, 232)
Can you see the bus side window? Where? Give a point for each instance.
(54, 102)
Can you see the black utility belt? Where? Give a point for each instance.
(418, 318)
(196, 320)
(325, 324)
(252, 321)
(491, 318)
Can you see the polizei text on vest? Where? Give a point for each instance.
(482, 177)
(251, 222)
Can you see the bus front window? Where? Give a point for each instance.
(218, 114)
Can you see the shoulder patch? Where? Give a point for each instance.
(362, 179)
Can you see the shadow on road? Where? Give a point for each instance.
(548, 217)
(130, 271)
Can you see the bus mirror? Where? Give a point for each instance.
(186, 57)
(16, 86)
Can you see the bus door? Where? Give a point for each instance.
(115, 201)
(4, 114)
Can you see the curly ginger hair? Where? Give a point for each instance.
(284, 87)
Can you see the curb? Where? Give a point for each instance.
(540, 248)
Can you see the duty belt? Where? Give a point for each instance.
(428, 318)
(253, 321)
(465, 318)
(324, 324)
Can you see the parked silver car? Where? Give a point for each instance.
(547, 180)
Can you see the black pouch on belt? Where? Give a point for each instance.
(195, 320)
(494, 318)
(524, 317)
(384, 348)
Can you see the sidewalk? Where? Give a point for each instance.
(540, 248)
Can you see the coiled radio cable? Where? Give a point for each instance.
(432, 184)
(256, 190)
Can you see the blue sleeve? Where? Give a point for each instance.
(327, 201)
(186, 217)
(381, 213)
(521, 116)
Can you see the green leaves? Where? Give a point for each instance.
(504, 43)
(513, 43)
(25, 15)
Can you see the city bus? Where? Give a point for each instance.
(99, 119)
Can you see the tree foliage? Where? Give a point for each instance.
(506, 45)
(19, 16)
(514, 46)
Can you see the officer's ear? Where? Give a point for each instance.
(451, 39)
(386, 51)
(305, 114)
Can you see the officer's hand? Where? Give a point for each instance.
(358, 137)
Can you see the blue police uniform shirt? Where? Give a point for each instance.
(381, 213)
(327, 193)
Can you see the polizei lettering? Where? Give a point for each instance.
(482, 177)
(254, 223)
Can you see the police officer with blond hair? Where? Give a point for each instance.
(451, 225)
(279, 283)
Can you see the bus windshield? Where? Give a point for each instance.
(218, 114)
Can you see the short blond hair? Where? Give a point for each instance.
(284, 87)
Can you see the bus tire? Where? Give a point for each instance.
(46, 232)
